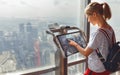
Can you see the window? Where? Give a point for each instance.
(24, 43)
(114, 21)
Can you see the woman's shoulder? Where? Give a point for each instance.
(106, 31)
(108, 28)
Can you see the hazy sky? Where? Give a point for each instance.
(38, 8)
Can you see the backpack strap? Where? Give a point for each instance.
(113, 38)
(108, 39)
(107, 36)
(100, 55)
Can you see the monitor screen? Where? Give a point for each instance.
(75, 36)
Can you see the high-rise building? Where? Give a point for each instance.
(21, 27)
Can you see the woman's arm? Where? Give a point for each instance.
(84, 51)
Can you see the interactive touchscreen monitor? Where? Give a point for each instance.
(75, 36)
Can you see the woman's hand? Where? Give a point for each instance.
(86, 52)
(72, 43)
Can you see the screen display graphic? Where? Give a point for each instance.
(75, 36)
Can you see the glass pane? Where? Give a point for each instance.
(24, 43)
(114, 21)
(76, 69)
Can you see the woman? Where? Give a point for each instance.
(97, 14)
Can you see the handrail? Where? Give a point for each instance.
(34, 71)
(43, 70)
(76, 62)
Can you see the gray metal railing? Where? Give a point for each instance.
(47, 69)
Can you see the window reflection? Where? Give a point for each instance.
(114, 21)
(24, 43)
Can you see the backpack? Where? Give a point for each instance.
(112, 63)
